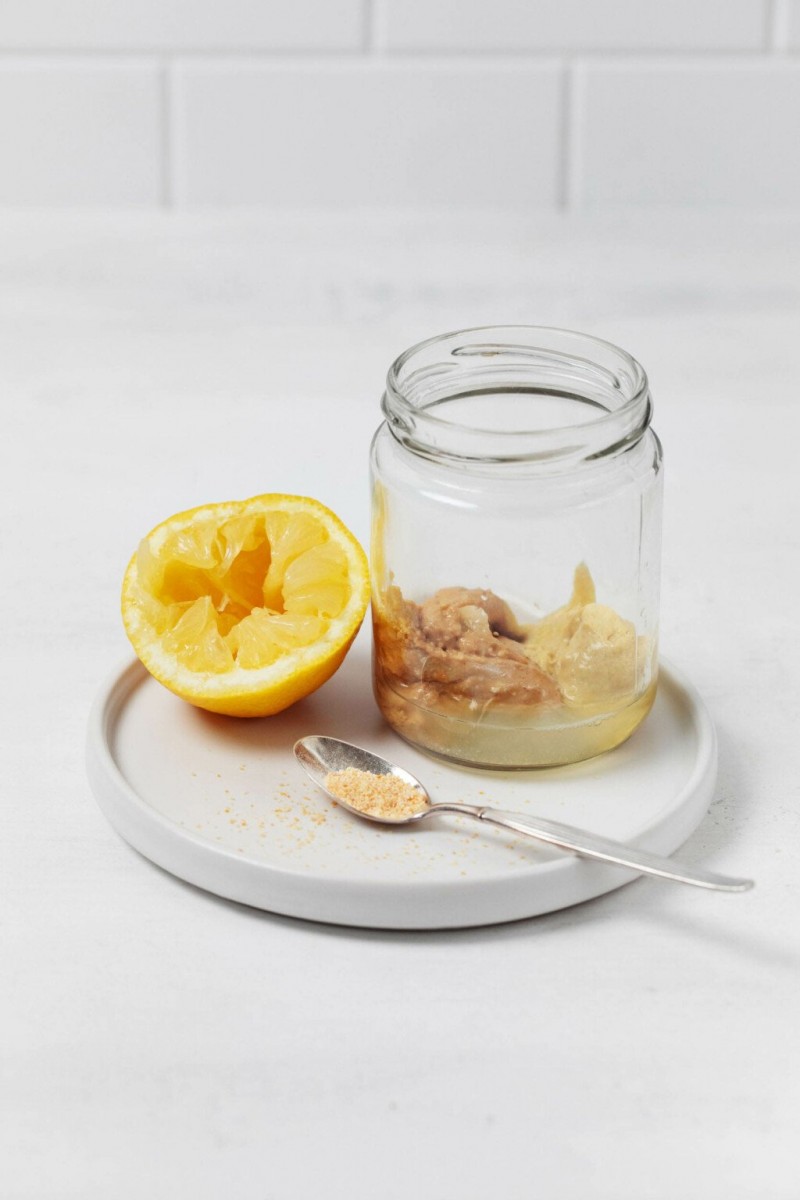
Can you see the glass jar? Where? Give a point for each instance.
(516, 534)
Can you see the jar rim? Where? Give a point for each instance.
(517, 358)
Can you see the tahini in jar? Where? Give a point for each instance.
(516, 532)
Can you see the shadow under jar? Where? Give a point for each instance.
(516, 531)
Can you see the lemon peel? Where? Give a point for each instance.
(244, 607)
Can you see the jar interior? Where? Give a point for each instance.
(527, 409)
(516, 514)
(528, 394)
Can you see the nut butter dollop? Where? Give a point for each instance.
(585, 647)
(461, 643)
(466, 645)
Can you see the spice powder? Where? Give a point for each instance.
(384, 796)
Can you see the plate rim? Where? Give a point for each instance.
(330, 900)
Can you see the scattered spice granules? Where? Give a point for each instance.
(384, 796)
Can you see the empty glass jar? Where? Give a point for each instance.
(516, 547)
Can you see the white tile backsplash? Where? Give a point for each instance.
(79, 133)
(682, 134)
(182, 25)
(462, 103)
(364, 134)
(570, 25)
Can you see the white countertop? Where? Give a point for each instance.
(158, 1041)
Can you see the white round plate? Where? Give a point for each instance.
(222, 803)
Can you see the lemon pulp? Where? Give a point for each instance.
(245, 606)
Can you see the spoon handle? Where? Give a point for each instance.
(590, 846)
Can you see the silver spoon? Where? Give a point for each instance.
(321, 756)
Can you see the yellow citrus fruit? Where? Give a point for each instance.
(245, 607)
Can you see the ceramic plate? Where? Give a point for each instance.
(221, 803)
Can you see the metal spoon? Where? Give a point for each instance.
(322, 755)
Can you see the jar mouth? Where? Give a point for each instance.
(517, 394)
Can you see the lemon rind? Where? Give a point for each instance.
(252, 690)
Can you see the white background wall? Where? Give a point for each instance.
(330, 103)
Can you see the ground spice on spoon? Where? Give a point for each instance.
(385, 796)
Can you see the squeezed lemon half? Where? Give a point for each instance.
(246, 606)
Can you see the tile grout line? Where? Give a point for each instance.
(377, 28)
(166, 200)
(368, 27)
(564, 138)
(776, 28)
(570, 173)
(136, 52)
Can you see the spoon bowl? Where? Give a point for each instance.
(322, 756)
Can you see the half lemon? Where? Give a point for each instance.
(246, 606)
